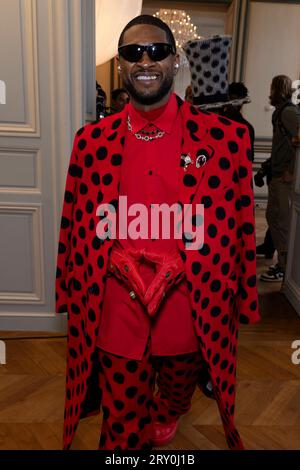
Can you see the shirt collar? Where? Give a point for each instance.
(164, 121)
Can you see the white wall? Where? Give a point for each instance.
(273, 49)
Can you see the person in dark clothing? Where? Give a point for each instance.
(267, 248)
(237, 90)
(189, 94)
(119, 99)
(286, 124)
(100, 102)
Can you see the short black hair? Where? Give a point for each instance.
(152, 20)
(237, 89)
(115, 93)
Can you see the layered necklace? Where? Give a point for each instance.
(145, 135)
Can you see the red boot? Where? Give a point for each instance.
(163, 433)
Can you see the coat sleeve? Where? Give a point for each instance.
(291, 119)
(247, 296)
(66, 225)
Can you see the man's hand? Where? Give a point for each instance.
(259, 179)
(125, 268)
(169, 273)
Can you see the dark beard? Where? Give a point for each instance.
(152, 98)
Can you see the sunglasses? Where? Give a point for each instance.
(156, 51)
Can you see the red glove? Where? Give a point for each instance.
(170, 271)
(125, 268)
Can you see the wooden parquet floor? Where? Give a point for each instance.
(268, 405)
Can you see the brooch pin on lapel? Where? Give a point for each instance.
(186, 157)
(201, 160)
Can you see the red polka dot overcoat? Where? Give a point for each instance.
(221, 275)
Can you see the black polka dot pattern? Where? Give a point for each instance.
(220, 274)
(208, 65)
(129, 408)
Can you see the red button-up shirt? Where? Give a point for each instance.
(150, 172)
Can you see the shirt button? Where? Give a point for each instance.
(150, 172)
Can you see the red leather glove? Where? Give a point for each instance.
(170, 271)
(125, 268)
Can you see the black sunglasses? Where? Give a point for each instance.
(156, 51)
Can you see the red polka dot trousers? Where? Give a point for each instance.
(137, 393)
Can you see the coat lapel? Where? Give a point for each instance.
(196, 149)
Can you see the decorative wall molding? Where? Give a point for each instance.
(31, 126)
(55, 323)
(59, 85)
(35, 188)
(37, 296)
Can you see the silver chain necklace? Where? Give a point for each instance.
(139, 136)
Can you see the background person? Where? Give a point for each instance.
(286, 122)
(189, 94)
(119, 99)
(236, 91)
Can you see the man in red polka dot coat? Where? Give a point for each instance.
(151, 311)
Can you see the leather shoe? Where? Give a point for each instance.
(163, 433)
